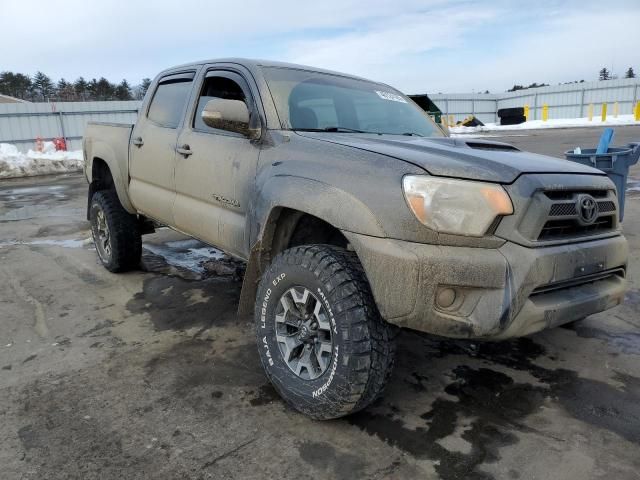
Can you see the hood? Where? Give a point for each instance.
(473, 158)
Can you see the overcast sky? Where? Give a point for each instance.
(417, 46)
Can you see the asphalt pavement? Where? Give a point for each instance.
(151, 374)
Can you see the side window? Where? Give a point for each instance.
(222, 85)
(169, 100)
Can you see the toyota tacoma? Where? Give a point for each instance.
(356, 215)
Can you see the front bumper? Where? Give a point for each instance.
(498, 293)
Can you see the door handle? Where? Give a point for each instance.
(137, 142)
(184, 150)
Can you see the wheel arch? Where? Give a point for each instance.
(286, 200)
(104, 163)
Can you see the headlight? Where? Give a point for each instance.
(459, 207)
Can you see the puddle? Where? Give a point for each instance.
(16, 197)
(38, 211)
(64, 243)
(488, 402)
(50, 190)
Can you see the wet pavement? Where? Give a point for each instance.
(151, 374)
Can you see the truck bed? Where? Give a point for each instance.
(110, 142)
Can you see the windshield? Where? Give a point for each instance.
(313, 101)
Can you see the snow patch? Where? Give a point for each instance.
(189, 254)
(16, 164)
(551, 123)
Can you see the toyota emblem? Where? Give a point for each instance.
(587, 209)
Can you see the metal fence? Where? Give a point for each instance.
(22, 123)
(564, 101)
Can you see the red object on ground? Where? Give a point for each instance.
(60, 144)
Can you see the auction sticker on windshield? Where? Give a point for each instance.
(391, 96)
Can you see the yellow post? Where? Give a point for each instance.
(615, 110)
(604, 112)
(526, 112)
(637, 112)
(545, 112)
(590, 114)
(452, 121)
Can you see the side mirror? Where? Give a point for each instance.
(229, 115)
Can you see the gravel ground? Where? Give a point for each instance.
(152, 375)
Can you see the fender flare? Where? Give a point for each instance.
(326, 202)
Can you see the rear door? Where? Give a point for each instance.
(214, 177)
(153, 147)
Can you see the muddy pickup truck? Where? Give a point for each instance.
(356, 215)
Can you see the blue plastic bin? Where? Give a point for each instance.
(615, 163)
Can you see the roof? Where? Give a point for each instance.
(253, 64)
(8, 99)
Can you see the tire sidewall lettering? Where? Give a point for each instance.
(269, 348)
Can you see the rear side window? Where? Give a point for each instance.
(169, 100)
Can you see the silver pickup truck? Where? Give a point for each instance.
(356, 215)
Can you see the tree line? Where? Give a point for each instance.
(41, 88)
(604, 74)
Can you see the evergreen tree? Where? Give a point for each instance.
(15, 85)
(105, 90)
(80, 86)
(23, 86)
(65, 91)
(123, 91)
(630, 73)
(92, 89)
(7, 83)
(42, 86)
(604, 74)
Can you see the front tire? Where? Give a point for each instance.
(321, 339)
(115, 233)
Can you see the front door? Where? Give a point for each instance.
(153, 148)
(216, 170)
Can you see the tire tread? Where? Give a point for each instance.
(126, 240)
(371, 339)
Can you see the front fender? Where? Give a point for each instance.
(333, 205)
(313, 197)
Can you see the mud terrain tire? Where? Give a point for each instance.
(122, 234)
(362, 344)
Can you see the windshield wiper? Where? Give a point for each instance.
(344, 129)
(330, 129)
(412, 134)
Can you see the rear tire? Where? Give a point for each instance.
(322, 290)
(115, 233)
